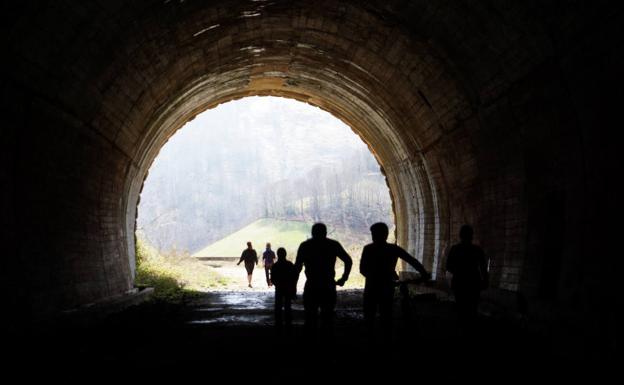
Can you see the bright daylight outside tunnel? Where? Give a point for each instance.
(495, 114)
(260, 170)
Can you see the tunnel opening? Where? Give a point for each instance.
(261, 170)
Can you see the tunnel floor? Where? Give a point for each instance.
(233, 333)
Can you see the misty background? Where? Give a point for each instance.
(260, 157)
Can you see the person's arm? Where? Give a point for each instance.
(299, 260)
(242, 258)
(255, 257)
(415, 263)
(348, 262)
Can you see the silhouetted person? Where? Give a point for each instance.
(284, 278)
(468, 266)
(318, 255)
(268, 258)
(250, 258)
(378, 266)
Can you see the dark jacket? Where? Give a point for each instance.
(249, 256)
(284, 278)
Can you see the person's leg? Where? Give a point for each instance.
(287, 312)
(369, 308)
(267, 273)
(279, 301)
(386, 302)
(310, 308)
(328, 305)
(466, 312)
(249, 267)
(472, 311)
(460, 306)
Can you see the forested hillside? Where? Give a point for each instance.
(259, 158)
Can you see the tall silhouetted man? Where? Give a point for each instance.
(378, 266)
(468, 266)
(318, 255)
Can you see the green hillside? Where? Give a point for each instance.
(280, 233)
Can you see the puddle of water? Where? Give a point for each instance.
(233, 319)
(230, 308)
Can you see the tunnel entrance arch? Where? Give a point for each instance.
(251, 170)
(137, 184)
(396, 94)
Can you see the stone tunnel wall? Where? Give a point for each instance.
(492, 113)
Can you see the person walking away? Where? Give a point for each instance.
(378, 266)
(318, 256)
(268, 258)
(250, 257)
(284, 279)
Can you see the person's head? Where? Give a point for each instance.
(465, 233)
(268, 246)
(379, 232)
(281, 253)
(249, 245)
(319, 230)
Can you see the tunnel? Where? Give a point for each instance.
(497, 114)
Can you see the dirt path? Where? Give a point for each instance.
(237, 275)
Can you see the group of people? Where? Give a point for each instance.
(250, 258)
(466, 264)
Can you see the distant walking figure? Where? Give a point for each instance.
(468, 266)
(318, 255)
(378, 266)
(250, 258)
(268, 258)
(284, 278)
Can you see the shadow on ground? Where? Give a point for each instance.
(232, 333)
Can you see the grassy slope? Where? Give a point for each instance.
(173, 275)
(287, 234)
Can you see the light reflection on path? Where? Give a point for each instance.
(256, 307)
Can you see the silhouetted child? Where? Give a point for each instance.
(378, 265)
(284, 278)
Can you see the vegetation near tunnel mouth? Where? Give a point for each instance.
(178, 274)
(176, 277)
